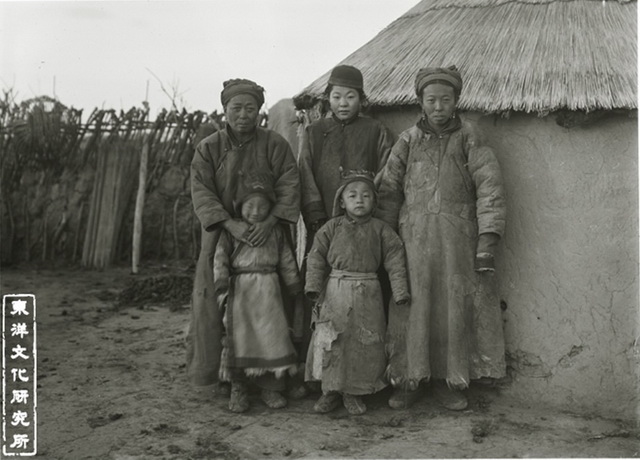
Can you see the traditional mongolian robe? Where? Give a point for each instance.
(331, 144)
(347, 351)
(218, 162)
(256, 325)
(441, 191)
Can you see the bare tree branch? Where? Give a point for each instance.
(172, 97)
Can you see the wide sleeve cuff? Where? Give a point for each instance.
(492, 222)
(312, 295)
(402, 299)
(295, 288)
(220, 287)
(313, 212)
(285, 213)
(210, 222)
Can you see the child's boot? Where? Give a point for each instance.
(451, 397)
(273, 399)
(354, 404)
(454, 400)
(297, 388)
(403, 398)
(221, 389)
(327, 402)
(239, 400)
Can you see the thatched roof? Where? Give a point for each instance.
(520, 55)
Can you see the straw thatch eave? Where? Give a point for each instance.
(515, 55)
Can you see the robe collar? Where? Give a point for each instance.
(344, 122)
(234, 140)
(357, 222)
(452, 125)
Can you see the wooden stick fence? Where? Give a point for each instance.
(36, 137)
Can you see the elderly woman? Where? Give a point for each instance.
(442, 189)
(220, 161)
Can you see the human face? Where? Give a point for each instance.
(438, 103)
(345, 102)
(242, 113)
(357, 200)
(255, 209)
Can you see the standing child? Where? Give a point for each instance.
(247, 282)
(344, 141)
(347, 350)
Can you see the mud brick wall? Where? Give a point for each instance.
(569, 270)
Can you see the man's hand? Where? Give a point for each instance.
(259, 232)
(238, 229)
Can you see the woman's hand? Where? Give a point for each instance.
(260, 231)
(485, 252)
(404, 302)
(238, 229)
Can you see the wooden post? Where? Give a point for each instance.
(12, 225)
(27, 218)
(58, 232)
(44, 234)
(194, 243)
(176, 247)
(137, 219)
(162, 222)
(76, 238)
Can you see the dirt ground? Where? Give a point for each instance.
(112, 385)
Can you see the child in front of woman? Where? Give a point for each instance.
(257, 346)
(347, 351)
(346, 140)
(343, 140)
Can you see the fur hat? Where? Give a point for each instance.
(241, 86)
(348, 177)
(346, 75)
(253, 184)
(448, 76)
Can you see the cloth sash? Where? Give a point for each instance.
(345, 274)
(264, 269)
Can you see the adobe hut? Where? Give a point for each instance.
(283, 119)
(553, 86)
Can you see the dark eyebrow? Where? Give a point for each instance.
(240, 104)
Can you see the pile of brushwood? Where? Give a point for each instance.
(169, 290)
